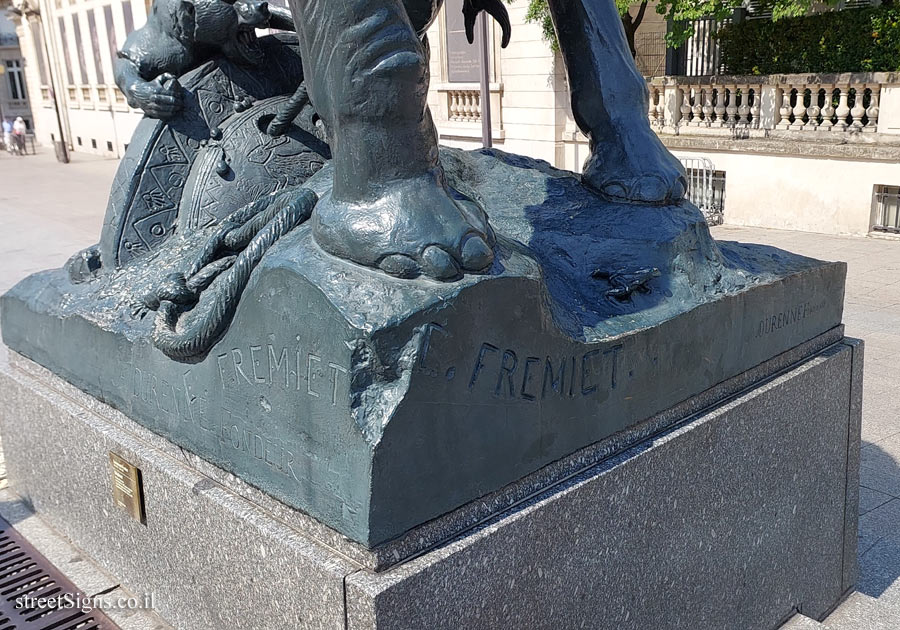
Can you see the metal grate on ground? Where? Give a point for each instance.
(25, 573)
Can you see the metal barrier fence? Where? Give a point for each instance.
(29, 142)
(706, 188)
(887, 209)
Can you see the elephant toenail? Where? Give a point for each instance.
(476, 254)
(652, 189)
(615, 189)
(438, 264)
(400, 266)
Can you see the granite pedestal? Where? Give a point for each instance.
(733, 509)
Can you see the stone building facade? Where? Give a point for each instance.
(529, 96)
(70, 46)
(817, 153)
(14, 93)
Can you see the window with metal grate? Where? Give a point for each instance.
(706, 188)
(886, 208)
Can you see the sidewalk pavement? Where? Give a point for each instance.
(48, 211)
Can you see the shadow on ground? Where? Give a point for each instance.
(879, 523)
(15, 511)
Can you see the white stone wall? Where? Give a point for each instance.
(811, 194)
(789, 192)
(91, 109)
(529, 95)
(800, 192)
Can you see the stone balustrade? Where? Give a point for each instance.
(458, 111)
(709, 105)
(464, 105)
(759, 105)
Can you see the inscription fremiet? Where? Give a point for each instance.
(287, 368)
(530, 378)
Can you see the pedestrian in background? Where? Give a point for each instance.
(19, 131)
(7, 135)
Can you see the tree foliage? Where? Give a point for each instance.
(680, 14)
(539, 12)
(858, 40)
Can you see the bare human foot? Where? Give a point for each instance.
(417, 226)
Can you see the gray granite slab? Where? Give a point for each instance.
(734, 520)
(212, 559)
(738, 516)
(438, 531)
(854, 446)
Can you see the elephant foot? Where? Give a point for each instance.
(629, 163)
(413, 227)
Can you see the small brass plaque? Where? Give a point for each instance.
(128, 490)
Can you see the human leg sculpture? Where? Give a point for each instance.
(366, 68)
(609, 100)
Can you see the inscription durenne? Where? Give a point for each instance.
(790, 316)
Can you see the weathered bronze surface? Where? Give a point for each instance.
(295, 283)
(376, 403)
